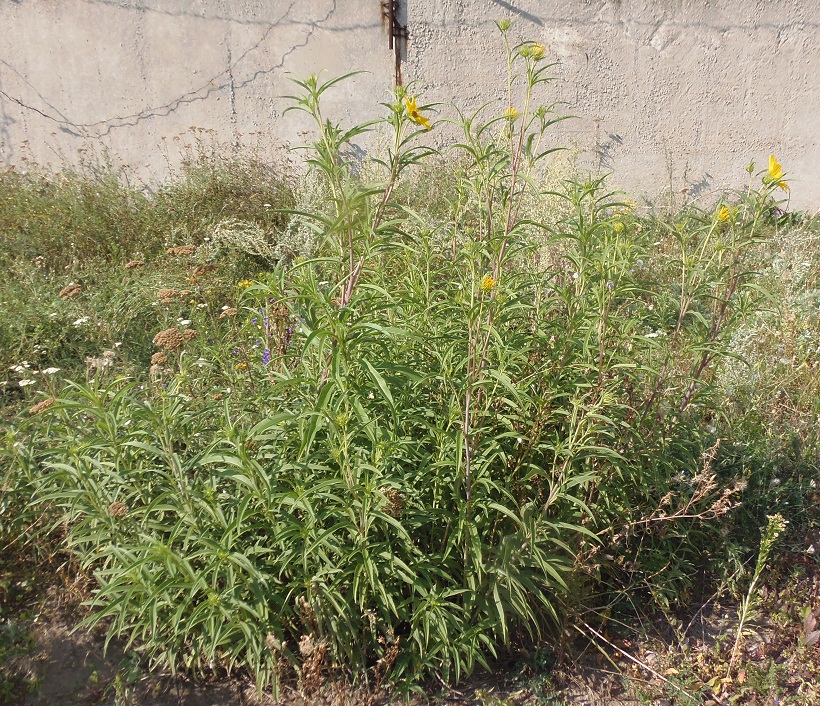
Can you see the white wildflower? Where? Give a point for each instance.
(51, 371)
(24, 383)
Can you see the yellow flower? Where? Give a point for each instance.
(724, 214)
(618, 227)
(244, 284)
(538, 51)
(775, 170)
(511, 114)
(775, 174)
(487, 283)
(413, 112)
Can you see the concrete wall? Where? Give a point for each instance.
(673, 95)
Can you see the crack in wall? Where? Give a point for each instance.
(203, 92)
(232, 95)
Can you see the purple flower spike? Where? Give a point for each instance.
(266, 357)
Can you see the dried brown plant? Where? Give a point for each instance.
(170, 339)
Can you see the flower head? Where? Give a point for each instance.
(487, 283)
(774, 175)
(533, 50)
(538, 51)
(413, 112)
(724, 214)
(169, 339)
(511, 114)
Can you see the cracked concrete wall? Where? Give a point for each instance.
(674, 96)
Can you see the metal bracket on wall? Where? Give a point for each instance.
(394, 17)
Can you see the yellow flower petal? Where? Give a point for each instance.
(414, 114)
(775, 170)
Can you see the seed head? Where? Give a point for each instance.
(159, 358)
(40, 406)
(395, 501)
(181, 250)
(71, 291)
(166, 296)
(170, 339)
(117, 509)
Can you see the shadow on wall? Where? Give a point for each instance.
(520, 12)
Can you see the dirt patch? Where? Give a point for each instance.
(72, 669)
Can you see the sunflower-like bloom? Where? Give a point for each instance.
(413, 112)
(487, 283)
(724, 214)
(539, 51)
(775, 174)
(511, 114)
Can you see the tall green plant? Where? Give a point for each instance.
(441, 432)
